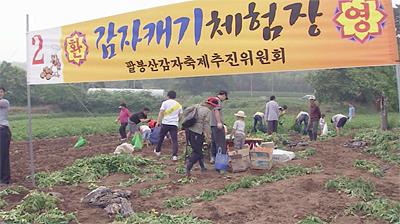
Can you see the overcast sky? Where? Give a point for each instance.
(54, 13)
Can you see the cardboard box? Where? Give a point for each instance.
(239, 160)
(261, 158)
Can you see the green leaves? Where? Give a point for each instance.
(155, 218)
(37, 207)
(361, 84)
(210, 195)
(311, 220)
(371, 167)
(383, 144)
(91, 169)
(356, 188)
(380, 208)
(147, 192)
(10, 191)
(177, 202)
(305, 154)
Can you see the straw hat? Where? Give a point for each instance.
(240, 114)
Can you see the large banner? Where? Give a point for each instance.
(216, 37)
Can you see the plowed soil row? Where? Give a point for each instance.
(285, 201)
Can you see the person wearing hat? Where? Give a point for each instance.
(122, 118)
(200, 132)
(239, 130)
(315, 115)
(338, 121)
(259, 123)
(218, 140)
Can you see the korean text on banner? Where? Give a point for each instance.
(208, 37)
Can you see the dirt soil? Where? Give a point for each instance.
(285, 201)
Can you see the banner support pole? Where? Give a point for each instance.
(29, 131)
(398, 82)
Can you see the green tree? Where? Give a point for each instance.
(13, 79)
(373, 85)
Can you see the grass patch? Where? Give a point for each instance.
(37, 207)
(10, 191)
(356, 188)
(311, 220)
(177, 202)
(147, 192)
(158, 172)
(371, 167)
(186, 180)
(65, 126)
(180, 169)
(305, 154)
(155, 218)
(381, 208)
(382, 144)
(89, 170)
(132, 181)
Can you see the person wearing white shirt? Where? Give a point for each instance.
(272, 115)
(339, 120)
(168, 119)
(301, 118)
(258, 123)
(5, 139)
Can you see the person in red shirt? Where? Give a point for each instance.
(122, 118)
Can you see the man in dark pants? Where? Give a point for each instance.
(5, 139)
(218, 141)
(170, 113)
(272, 115)
(258, 124)
(315, 115)
(302, 117)
(199, 131)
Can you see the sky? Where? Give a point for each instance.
(45, 14)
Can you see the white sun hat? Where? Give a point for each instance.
(240, 114)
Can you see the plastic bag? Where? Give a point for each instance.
(137, 141)
(221, 161)
(124, 148)
(325, 130)
(282, 156)
(81, 142)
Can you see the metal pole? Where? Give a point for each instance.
(251, 85)
(273, 79)
(398, 82)
(28, 89)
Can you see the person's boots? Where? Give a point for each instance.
(189, 166)
(202, 166)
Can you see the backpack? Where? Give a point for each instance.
(190, 116)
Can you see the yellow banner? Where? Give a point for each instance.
(210, 37)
